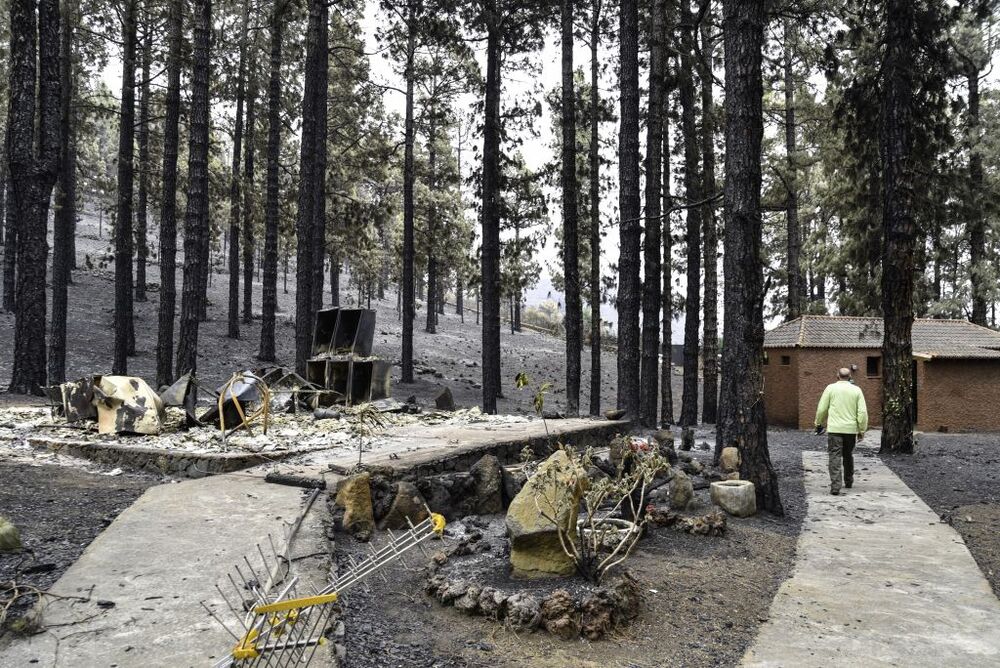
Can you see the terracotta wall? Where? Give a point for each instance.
(781, 387)
(958, 395)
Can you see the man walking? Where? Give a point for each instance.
(842, 409)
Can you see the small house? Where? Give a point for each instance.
(957, 368)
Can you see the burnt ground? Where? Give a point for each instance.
(58, 510)
(711, 594)
(451, 358)
(958, 476)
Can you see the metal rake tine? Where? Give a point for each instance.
(260, 583)
(229, 605)
(413, 531)
(219, 621)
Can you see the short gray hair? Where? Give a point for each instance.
(844, 372)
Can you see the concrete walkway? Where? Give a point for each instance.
(146, 573)
(879, 581)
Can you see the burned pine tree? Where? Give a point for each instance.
(269, 301)
(692, 237)
(570, 218)
(124, 341)
(710, 241)
(742, 421)
(630, 230)
(34, 159)
(594, 158)
(64, 220)
(196, 237)
(650, 366)
(168, 206)
(235, 185)
(141, 213)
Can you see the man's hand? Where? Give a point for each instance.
(820, 429)
(861, 436)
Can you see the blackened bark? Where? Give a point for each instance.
(248, 182)
(630, 231)
(666, 349)
(65, 213)
(692, 238)
(9, 222)
(319, 99)
(334, 280)
(742, 421)
(490, 279)
(570, 218)
(408, 183)
(34, 161)
(126, 182)
(650, 365)
(141, 211)
(432, 265)
(796, 288)
(305, 218)
(898, 228)
(977, 219)
(196, 216)
(269, 271)
(235, 186)
(710, 343)
(168, 206)
(460, 297)
(595, 212)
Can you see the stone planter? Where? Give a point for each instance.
(736, 497)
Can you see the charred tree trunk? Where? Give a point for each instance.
(408, 286)
(248, 183)
(650, 367)
(794, 231)
(235, 214)
(269, 278)
(142, 203)
(334, 280)
(10, 247)
(692, 192)
(898, 228)
(710, 344)
(490, 282)
(432, 265)
(322, 67)
(570, 218)
(743, 423)
(34, 62)
(595, 212)
(65, 213)
(168, 207)
(196, 236)
(630, 231)
(977, 221)
(667, 370)
(124, 332)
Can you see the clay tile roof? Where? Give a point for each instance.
(931, 338)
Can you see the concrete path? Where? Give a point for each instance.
(147, 572)
(879, 581)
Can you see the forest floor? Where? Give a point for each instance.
(450, 358)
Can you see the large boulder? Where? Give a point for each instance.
(549, 500)
(487, 475)
(736, 497)
(444, 401)
(354, 496)
(681, 491)
(729, 460)
(407, 504)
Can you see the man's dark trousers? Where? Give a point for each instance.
(841, 450)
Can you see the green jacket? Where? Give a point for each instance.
(843, 408)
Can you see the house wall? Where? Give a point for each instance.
(958, 395)
(781, 387)
(818, 368)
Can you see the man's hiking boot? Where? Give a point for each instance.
(849, 484)
(835, 492)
